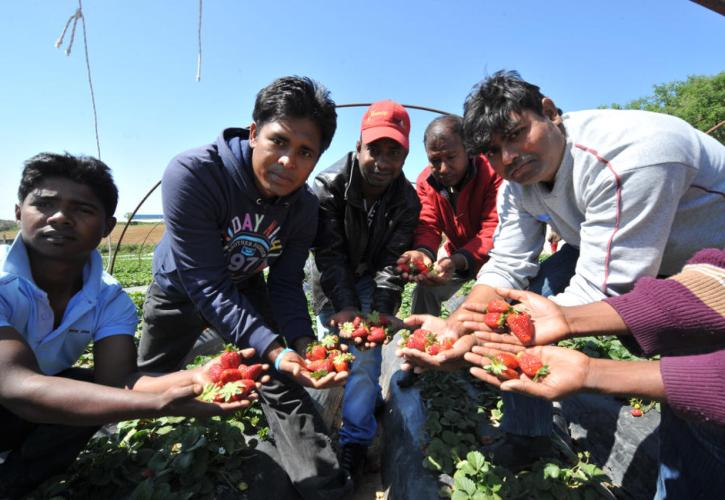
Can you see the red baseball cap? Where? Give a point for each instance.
(386, 119)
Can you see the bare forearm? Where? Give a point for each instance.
(44, 399)
(150, 382)
(598, 318)
(625, 378)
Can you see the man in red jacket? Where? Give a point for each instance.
(458, 197)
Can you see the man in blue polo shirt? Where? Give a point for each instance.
(54, 300)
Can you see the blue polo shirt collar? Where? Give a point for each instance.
(17, 262)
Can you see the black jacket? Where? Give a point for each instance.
(343, 236)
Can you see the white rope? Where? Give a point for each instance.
(198, 36)
(78, 14)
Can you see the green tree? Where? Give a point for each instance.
(699, 100)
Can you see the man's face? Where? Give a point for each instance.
(532, 149)
(381, 161)
(62, 219)
(284, 153)
(447, 157)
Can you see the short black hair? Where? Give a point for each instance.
(297, 97)
(81, 169)
(452, 123)
(488, 108)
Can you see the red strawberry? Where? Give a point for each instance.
(247, 386)
(498, 368)
(508, 359)
(532, 365)
(498, 306)
(447, 343)
(252, 372)
(230, 375)
(377, 334)
(361, 331)
(315, 351)
(433, 349)
(636, 412)
(230, 359)
(494, 320)
(520, 325)
(403, 268)
(321, 365)
(215, 372)
(416, 342)
(356, 321)
(341, 362)
(420, 267)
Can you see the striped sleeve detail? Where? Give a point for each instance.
(618, 183)
(707, 283)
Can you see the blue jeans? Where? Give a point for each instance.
(362, 390)
(692, 459)
(528, 415)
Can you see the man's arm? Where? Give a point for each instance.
(194, 217)
(628, 217)
(427, 236)
(25, 391)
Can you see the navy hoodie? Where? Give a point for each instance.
(220, 232)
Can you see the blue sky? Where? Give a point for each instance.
(143, 60)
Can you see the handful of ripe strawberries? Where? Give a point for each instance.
(232, 380)
(508, 366)
(501, 317)
(415, 267)
(325, 357)
(371, 328)
(425, 341)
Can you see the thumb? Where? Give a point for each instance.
(414, 320)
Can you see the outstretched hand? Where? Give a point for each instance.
(183, 402)
(293, 365)
(449, 360)
(568, 370)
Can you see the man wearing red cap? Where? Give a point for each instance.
(368, 214)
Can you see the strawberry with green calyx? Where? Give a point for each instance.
(377, 319)
(330, 341)
(420, 339)
(495, 320)
(508, 359)
(315, 351)
(230, 358)
(531, 365)
(498, 306)
(341, 362)
(498, 368)
(520, 324)
(346, 329)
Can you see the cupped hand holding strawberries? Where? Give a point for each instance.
(566, 370)
(296, 367)
(449, 359)
(416, 266)
(368, 331)
(490, 321)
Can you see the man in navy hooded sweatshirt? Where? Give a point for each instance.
(232, 209)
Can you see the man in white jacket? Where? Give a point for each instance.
(632, 193)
